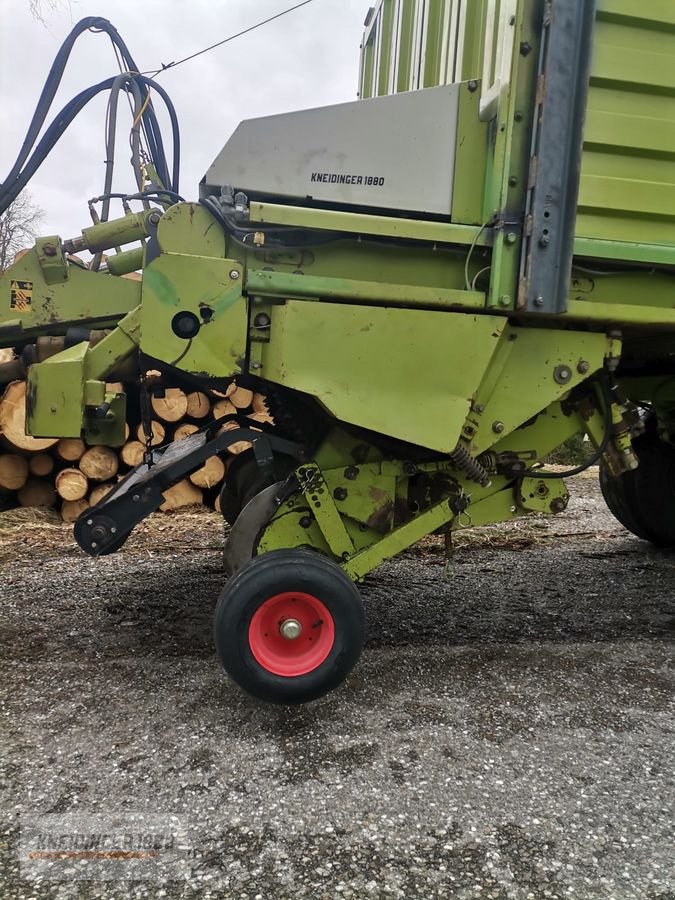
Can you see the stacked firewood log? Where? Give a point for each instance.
(71, 476)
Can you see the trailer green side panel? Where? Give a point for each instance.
(628, 172)
(627, 194)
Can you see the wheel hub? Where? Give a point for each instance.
(291, 633)
(290, 629)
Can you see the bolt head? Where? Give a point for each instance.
(290, 629)
(497, 427)
(234, 274)
(583, 367)
(562, 374)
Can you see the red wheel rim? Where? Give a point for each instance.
(292, 612)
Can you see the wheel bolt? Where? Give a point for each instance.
(290, 629)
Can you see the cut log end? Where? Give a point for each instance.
(131, 454)
(41, 464)
(241, 397)
(71, 510)
(99, 492)
(184, 430)
(99, 463)
(180, 495)
(37, 492)
(13, 421)
(71, 484)
(158, 433)
(198, 406)
(210, 474)
(13, 471)
(70, 449)
(172, 407)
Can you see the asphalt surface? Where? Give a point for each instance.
(508, 732)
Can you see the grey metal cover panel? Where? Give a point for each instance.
(394, 152)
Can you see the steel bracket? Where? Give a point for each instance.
(557, 144)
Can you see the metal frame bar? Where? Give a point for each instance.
(362, 223)
(557, 144)
(105, 527)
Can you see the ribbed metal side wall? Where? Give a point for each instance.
(628, 171)
(412, 44)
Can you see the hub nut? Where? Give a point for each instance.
(290, 629)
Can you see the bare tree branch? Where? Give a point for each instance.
(39, 7)
(18, 228)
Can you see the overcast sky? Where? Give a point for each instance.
(308, 58)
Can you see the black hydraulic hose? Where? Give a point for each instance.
(158, 193)
(280, 236)
(22, 170)
(175, 129)
(49, 91)
(129, 84)
(10, 190)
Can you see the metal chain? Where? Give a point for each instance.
(146, 420)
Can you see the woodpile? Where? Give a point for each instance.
(71, 476)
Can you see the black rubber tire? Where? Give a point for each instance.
(644, 500)
(277, 572)
(655, 490)
(619, 494)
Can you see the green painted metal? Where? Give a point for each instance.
(403, 330)
(281, 284)
(363, 223)
(125, 262)
(628, 173)
(63, 390)
(346, 356)
(30, 305)
(471, 155)
(55, 398)
(411, 44)
(627, 196)
(530, 369)
(187, 228)
(359, 565)
(117, 232)
(207, 288)
(320, 501)
(542, 495)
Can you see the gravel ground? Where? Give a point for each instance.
(508, 733)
